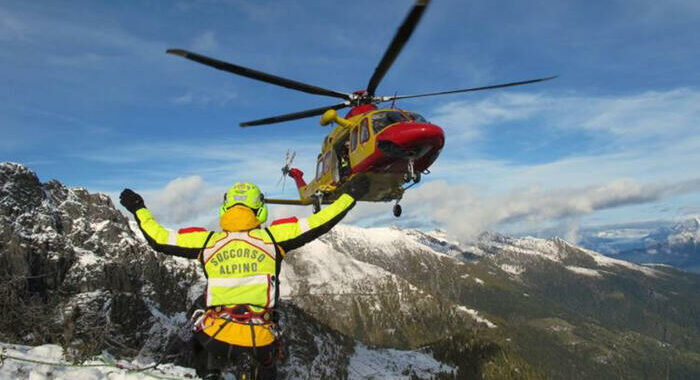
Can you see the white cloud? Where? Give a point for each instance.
(12, 28)
(211, 166)
(461, 210)
(465, 211)
(649, 136)
(648, 11)
(191, 201)
(651, 151)
(205, 42)
(651, 114)
(465, 119)
(184, 199)
(205, 97)
(53, 32)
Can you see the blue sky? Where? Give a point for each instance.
(89, 97)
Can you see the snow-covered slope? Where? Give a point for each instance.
(48, 362)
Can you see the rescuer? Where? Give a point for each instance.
(242, 263)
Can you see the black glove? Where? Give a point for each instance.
(359, 187)
(131, 200)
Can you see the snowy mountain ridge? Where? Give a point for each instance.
(357, 303)
(674, 244)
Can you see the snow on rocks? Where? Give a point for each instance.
(47, 362)
(687, 232)
(584, 271)
(388, 363)
(331, 271)
(512, 269)
(605, 261)
(392, 241)
(475, 315)
(519, 252)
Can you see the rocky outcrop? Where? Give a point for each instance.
(70, 257)
(74, 273)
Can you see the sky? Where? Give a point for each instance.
(89, 97)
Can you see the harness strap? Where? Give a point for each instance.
(201, 254)
(216, 333)
(252, 336)
(278, 266)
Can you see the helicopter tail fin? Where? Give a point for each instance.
(298, 177)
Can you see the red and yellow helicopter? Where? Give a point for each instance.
(392, 147)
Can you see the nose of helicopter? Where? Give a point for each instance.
(410, 139)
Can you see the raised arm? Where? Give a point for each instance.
(169, 242)
(292, 233)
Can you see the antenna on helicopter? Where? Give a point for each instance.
(393, 101)
(288, 159)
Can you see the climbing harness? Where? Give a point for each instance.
(243, 314)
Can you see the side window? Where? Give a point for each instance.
(364, 131)
(319, 168)
(326, 162)
(353, 140)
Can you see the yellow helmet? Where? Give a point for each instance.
(246, 194)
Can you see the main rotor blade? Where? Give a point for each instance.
(402, 35)
(258, 75)
(389, 98)
(294, 116)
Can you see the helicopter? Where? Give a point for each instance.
(392, 147)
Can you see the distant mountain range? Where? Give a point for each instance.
(675, 244)
(359, 303)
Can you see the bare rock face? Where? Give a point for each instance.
(73, 266)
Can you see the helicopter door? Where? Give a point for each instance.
(353, 139)
(365, 143)
(364, 131)
(342, 149)
(319, 168)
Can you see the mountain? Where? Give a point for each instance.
(674, 244)
(74, 273)
(358, 303)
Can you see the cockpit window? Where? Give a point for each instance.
(381, 120)
(416, 117)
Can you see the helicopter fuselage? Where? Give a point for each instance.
(390, 146)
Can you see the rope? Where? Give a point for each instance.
(4, 356)
(339, 294)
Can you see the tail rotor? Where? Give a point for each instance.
(289, 158)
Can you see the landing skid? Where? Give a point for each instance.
(411, 176)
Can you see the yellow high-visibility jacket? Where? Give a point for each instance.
(229, 286)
